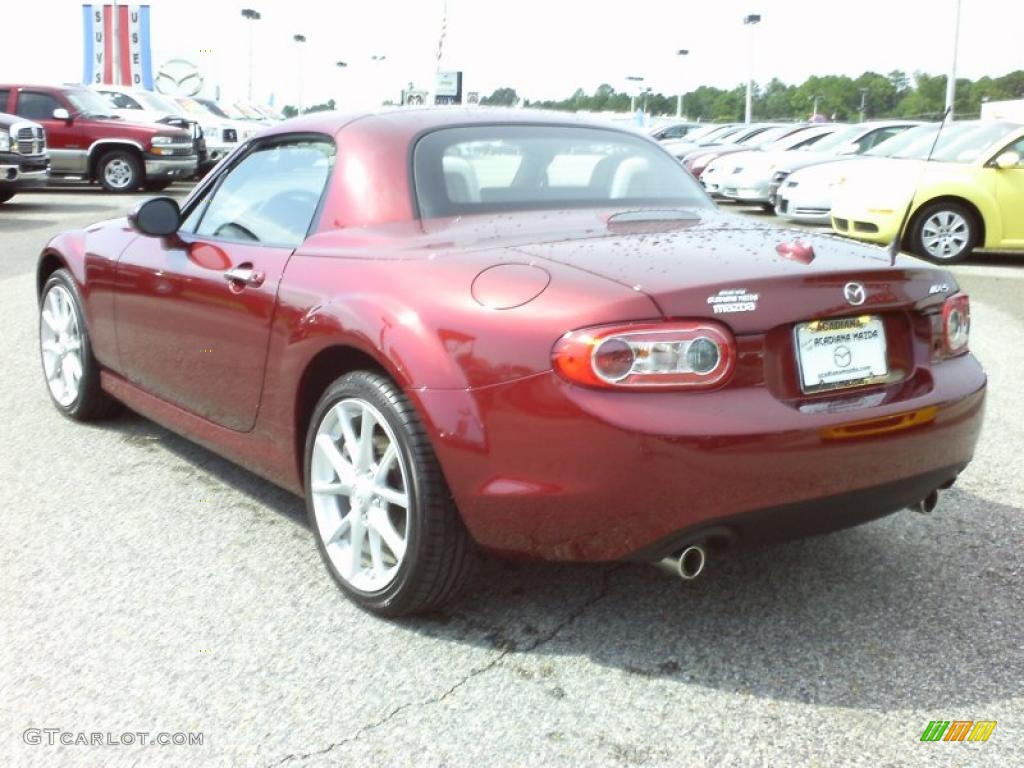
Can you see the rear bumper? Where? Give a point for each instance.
(543, 469)
(171, 167)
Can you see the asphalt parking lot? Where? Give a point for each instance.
(150, 586)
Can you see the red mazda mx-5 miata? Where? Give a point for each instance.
(456, 330)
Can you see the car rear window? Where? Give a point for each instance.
(483, 169)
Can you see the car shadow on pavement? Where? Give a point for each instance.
(14, 224)
(20, 205)
(908, 612)
(198, 464)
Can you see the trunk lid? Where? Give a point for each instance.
(726, 268)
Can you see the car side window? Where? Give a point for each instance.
(4, 96)
(270, 196)
(1018, 147)
(36, 106)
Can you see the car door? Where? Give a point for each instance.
(68, 150)
(193, 311)
(1009, 183)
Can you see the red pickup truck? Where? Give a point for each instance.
(87, 142)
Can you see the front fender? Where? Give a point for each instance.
(90, 256)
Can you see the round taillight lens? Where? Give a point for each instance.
(957, 329)
(613, 359)
(703, 355)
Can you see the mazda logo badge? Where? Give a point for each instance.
(855, 293)
(179, 77)
(842, 356)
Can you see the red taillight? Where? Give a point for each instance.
(956, 324)
(683, 355)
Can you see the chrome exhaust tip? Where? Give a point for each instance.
(927, 505)
(688, 564)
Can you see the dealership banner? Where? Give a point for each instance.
(117, 45)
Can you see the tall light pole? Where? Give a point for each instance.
(378, 58)
(340, 65)
(751, 20)
(250, 15)
(951, 82)
(863, 102)
(632, 96)
(300, 39)
(679, 98)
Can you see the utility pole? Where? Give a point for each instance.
(863, 102)
(300, 39)
(679, 98)
(951, 82)
(751, 20)
(632, 96)
(251, 15)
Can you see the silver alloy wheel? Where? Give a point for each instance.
(60, 338)
(118, 173)
(359, 487)
(945, 234)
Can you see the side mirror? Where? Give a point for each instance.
(62, 114)
(853, 148)
(1007, 160)
(158, 217)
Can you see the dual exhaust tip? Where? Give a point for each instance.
(928, 504)
(688, 564)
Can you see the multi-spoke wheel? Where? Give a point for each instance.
(72, 375)
(120, 171)
(944, 233)
(378, 504)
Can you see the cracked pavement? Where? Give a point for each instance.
(148, 585)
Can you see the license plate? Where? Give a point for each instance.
(844, 352)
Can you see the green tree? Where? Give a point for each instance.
(502, 97)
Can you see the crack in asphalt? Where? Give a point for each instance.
(510, 648)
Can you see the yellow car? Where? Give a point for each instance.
(971, 195)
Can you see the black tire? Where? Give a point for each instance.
(439, 555)
(953, 247)
(129, 175)
(91, 402)
(157, 185)
(5, 196)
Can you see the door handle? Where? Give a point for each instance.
(245, 275)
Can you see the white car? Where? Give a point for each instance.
(805, 195)
(720, 169)
(138, 104)
(753, 183)
(245, 128)
(232, 131)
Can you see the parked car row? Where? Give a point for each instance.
(866, 180)
(124, 139)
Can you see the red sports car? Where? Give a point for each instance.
(459, 330)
